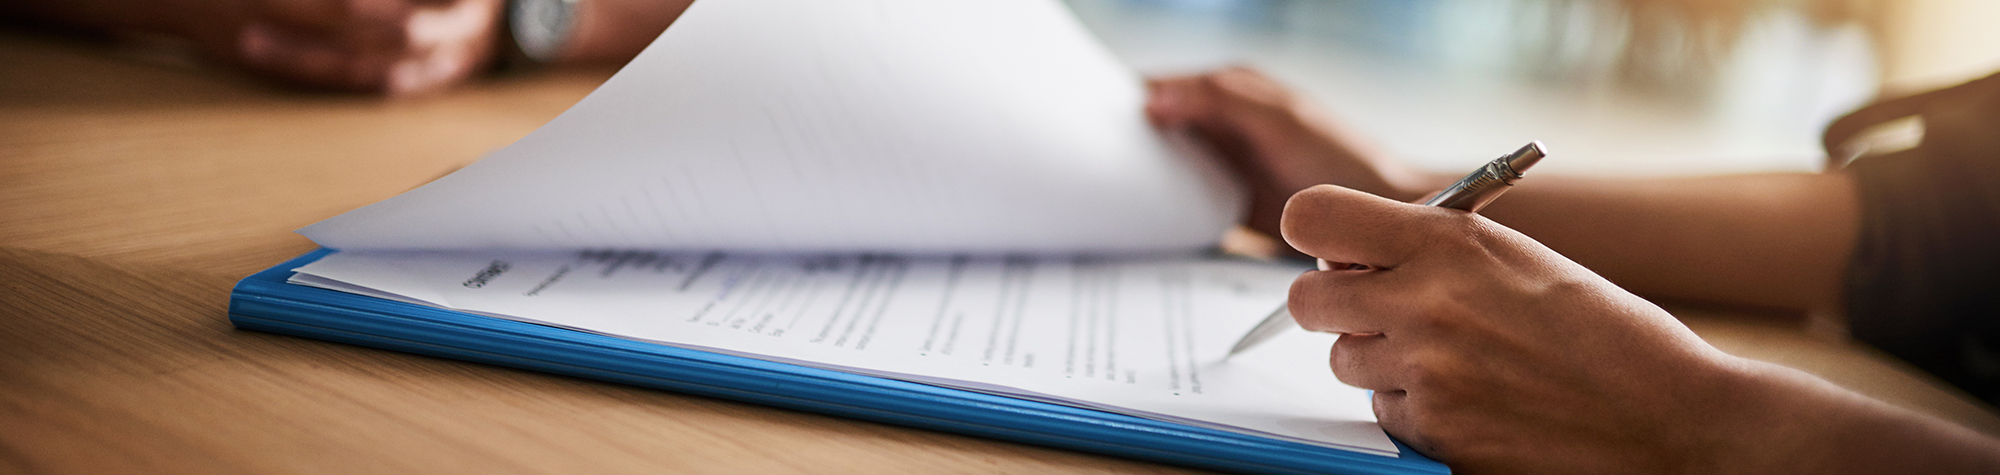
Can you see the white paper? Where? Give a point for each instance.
(805, 125)
(993, 136)
(1140, 337)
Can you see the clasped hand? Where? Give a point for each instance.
(388, 46)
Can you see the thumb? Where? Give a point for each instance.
(1343, 225)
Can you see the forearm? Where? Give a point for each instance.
(1772, 240)
(1791, 422)
(613, 31)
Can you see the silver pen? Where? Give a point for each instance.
(1469, 194)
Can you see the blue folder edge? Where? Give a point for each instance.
(264, 302)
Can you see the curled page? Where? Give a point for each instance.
(804, 125)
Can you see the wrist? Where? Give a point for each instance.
(614, 31)
(1764, 419)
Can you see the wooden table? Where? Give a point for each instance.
(133, 194)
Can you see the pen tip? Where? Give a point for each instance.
(1527, 156)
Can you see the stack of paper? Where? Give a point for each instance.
(962, 194)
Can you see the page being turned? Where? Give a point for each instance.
(803, 125)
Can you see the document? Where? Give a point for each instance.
(963, 194)
(1144, 337)
(803, 125)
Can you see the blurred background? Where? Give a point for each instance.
(144, 169)
(1613, 86)
(100, 112)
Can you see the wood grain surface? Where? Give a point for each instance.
(135, 192)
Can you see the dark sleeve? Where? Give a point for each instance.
(1925, 281)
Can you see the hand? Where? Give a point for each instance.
(1490, 352)
(396, 47)
(1964, 114)
(1276, 141)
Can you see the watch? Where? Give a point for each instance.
(537, 30)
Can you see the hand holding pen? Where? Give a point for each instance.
(1488, 351)
(1469, 194)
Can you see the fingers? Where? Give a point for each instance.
(308, 60)
(372, 45)
(1342, 225)
(332, 15)
(455, 42)
(428, 28)
(1175, 102)
(1367, 361)
(1346, 301)
(354, 25)
(1350, 227)
(1235, 97)
(439, 67)
(1847, 126)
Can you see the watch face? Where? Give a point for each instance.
(540, 26)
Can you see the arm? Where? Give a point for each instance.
(614, 31)
(1772, 240)
(1494, 354)
(1783, 239)
(394, 47)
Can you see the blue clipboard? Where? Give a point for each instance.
(264, 302)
